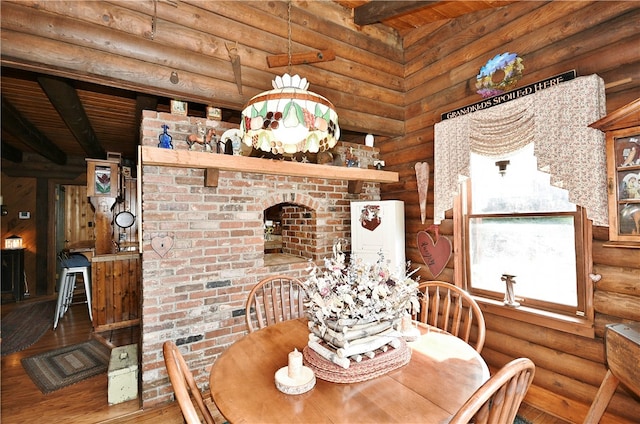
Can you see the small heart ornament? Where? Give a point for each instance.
(434, 254)
(370, 217)
(371, 224)
(595, 277)
(162, 245)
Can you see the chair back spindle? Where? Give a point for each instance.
(185, 386)
(498, 399)
(274, 299)
(453, 310)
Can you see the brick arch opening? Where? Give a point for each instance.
(291, 229)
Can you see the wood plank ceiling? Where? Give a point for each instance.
(62, 119)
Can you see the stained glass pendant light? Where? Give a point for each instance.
(289, 119)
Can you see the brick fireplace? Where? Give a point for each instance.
(203, 247)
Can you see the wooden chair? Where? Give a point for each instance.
(184, 386)
(498, 399)
(274, 299)
(622, 348)
(451, 309)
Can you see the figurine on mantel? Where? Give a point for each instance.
(351, 160)
(205, 137)
(165, 138)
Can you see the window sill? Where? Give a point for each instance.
(574, 325)
(623, 244)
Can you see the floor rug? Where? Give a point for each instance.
(24, 326)
(62, 367)
(520, 420)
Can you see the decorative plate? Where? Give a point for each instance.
(507, 66)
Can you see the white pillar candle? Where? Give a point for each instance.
(295, 364)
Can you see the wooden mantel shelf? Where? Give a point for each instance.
(214, 163)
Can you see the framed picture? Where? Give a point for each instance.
(179, 108)
(214, 113)
(103, 178)
(629, 186)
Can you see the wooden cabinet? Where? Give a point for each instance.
(103, 187)
(103, 178)
(623, 148)
(622, 129)
(378, 226)
(115, 286)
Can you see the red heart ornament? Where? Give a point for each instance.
(370, 217)
(371, 224)
(434, 254)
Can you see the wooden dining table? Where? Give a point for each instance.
(442, 374)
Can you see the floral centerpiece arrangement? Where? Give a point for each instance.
(355, 310)
(359, 293)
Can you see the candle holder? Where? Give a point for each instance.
(295, 378)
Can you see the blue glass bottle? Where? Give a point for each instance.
(165, 138)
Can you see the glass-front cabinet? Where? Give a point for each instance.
(622, 129)
(624, 184)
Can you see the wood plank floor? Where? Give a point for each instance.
(86, 402)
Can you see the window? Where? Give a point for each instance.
(516, 223)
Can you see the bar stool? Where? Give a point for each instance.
(72, 267)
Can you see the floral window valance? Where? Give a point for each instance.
(556, 120)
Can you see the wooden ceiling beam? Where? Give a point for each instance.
(71, 174)
(34, 165)
(65, 99)
(18, 126)
(11, 153)
(378, 11)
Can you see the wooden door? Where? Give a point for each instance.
(78, 215)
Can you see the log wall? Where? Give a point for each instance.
(379, 84)
(551, 37)
(138, 44)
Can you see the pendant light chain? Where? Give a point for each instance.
(289, 119)
(289, 33)
(154, 19)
